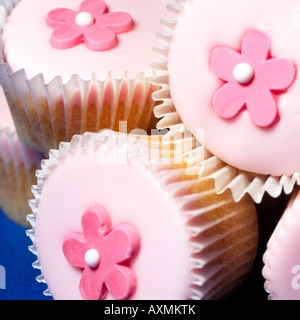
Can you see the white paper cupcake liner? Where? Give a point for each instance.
(47, 113)
(221, 260)
(18, 166)
(225, 176)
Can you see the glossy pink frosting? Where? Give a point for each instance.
(204, 25)
(27, 41)
(131, 194)
(92, 25)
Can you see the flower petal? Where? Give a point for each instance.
(222, 62)
(74, 249)
(121, 244)
(119, 22)
(100, 38)
(94, 221)
(64, 37)
(91, 285)
(262, 108)
(255, 47)
(60, 17)
(93, 6)
(229, 100)
(121, 282)
(278, 74)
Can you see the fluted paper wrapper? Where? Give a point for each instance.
(222, 234)
(18, 164)
(225, 176)
(47, 113)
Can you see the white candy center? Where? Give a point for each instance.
(92, 258)
(84, 19)
(243, 73)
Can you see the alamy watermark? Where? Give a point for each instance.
(2, 278)
(296, 279)
(153, 151)
(296, 17)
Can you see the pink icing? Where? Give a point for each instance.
(162, 266)
(273, 150)
(98, 35)
(35, 54)
(271, 77)
(114, 246)
(282, 258)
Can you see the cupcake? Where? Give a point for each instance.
(229, 75)
(72, 66)
(18, 164)
(116, 217)
(281, 259)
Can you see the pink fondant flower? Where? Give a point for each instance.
(253, 79)
(104, 254)
(92, 24)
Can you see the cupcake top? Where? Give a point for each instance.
(84, 37)
(234, 80)
(112, 221)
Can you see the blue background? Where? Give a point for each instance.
(17, 261)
